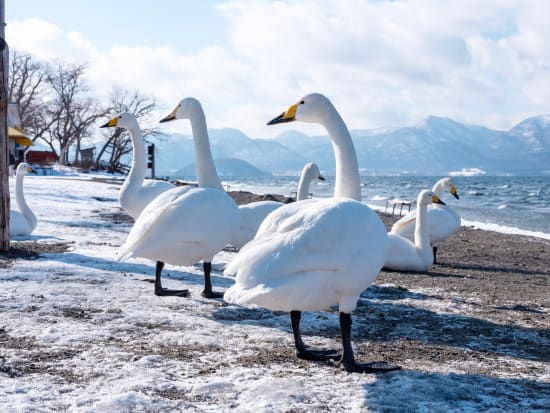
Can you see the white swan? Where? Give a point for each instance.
(253, 213)
(22, 220)
(404, 255)
(443, 220)
(186, 224)
(136, 192)
(312, 254)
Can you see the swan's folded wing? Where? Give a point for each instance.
(182, 217)
(405, 225)
(312, 239)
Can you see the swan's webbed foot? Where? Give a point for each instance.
(160, 290)
(317, 355)
(207, 292)
(211, 294)
(348, 359)
(375, 367)
(302, 351)
(166, 292)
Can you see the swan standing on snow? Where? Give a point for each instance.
(443, 220)
(253, 213)
(404, 255)
(22, 220)
(312, 254)
(136, 192)
(186, 224)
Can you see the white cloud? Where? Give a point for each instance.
(382, 63)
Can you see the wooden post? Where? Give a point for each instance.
(4, 180)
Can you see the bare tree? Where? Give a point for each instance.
(26, 87)
(70, 113)
(118, 142)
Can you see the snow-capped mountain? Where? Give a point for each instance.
(434, 146)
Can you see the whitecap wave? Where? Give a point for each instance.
(504, 229)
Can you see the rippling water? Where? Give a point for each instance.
(515, 202)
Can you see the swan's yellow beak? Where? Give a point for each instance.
(111, 123)
(436, 200)
(453, 192)
(288, 116)
(171, 116)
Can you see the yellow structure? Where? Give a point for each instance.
(17, 141)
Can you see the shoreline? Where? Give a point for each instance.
(81, 331)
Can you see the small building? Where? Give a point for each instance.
(17, 141)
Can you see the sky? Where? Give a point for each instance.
(382, 63)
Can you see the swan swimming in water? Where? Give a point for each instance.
(312, 254)
(22, 220)
(136, 192)
(404, 255)
(186, 224)
(443, 220)
(253, 213)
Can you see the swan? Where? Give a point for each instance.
(404, 255)
(253, 213)
(187, 224)
(22, 220)
(443, 220)
(136, 192)
(312, 254)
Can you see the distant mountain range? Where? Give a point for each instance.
(436, 146)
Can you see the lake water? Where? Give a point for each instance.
(507, 204)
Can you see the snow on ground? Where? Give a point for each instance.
(82, 332)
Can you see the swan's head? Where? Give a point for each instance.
(311, 171)
(122, 120)
(447, 184)
(184, 110)
(311, 108)
(427, 197)
(23, 168)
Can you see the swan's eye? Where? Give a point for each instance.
(302, 102)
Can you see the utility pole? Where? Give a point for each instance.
(4, 180)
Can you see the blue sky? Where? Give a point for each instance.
(383, 63)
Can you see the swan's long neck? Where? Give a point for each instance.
(437, 188)
(303, 186)
(206, 170)
(135, 178)
(20, 201)
(421, 232)
(348, 183)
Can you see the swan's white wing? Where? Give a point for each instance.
(183, 226)
(134, 202)
(443, 221)
(19, 225)
(403, 255)
(252, 215)
(405, 225)
(310, 255)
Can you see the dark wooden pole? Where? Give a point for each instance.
(4, 180)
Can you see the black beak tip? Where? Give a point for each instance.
(166, 119)
(105, 125)
(456, 196)
(279, 119)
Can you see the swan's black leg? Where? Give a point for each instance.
(159, 290)
(348, 359)
(207, 292)
(435, 254)
(302, 352)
